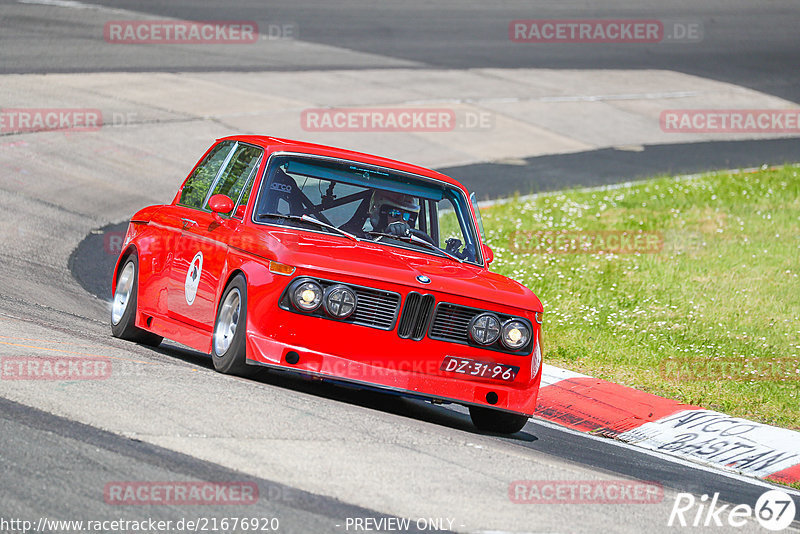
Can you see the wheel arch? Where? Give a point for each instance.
(129, 251)
(233, 273)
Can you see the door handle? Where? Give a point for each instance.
(188, 222)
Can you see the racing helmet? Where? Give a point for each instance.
(382, 200)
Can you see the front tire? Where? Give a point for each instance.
(124, 306)
(228, 344)
(490, 420)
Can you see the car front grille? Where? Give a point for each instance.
(375, 308)
(451, 323)
(421, 314)
(415, 317)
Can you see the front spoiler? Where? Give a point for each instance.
(453, 389)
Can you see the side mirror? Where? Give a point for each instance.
(220, 204)
(488, 254)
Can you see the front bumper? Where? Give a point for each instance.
(380, 359)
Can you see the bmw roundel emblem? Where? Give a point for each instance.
(422, 279)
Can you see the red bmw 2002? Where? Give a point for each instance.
(334, 264)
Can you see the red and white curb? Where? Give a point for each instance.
(603, 408)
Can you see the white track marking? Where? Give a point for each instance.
(552, 374)
(622, 185)
(669, 458)
(560, 98)
(60, 3)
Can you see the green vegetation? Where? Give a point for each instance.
(711, 317)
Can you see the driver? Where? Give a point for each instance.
(395, 214)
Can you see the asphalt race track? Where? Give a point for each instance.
(323, 455)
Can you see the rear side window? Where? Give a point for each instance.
(196, 189)
(235, 176)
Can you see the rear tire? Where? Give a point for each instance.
(496, 421)
(125, 305)
(228, 343)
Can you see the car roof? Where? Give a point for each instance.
(272, 144)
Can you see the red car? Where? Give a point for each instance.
(335, 264)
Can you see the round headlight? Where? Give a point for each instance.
(306, 295)
(339, 301)
(484, 329)
(515, 334)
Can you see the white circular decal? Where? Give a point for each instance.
(193, 278)
(775, 510)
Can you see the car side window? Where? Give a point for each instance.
(195, 190)
(241, 206)
(238, 170)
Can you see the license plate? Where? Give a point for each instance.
(478, 369)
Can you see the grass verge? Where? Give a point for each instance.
(685, 288)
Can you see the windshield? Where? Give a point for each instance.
(371, 203)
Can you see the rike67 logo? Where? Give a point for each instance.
(774, 510)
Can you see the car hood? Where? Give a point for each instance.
(330, 256)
